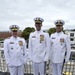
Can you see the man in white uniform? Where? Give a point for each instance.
(15, 52)
(38, 47)
(60, 43)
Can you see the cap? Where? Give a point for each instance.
(38, 20)
(14, 28)
(59, 22)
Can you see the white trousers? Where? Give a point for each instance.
(57, 68)
(16, 70)
(39, 68)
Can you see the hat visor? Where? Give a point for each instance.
(14, 31)
(37, 23)
(59, 24)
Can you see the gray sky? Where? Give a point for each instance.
(22, 13)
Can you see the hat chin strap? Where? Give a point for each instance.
(59, 24)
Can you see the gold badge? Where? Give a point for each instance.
(61, 39)
(20, 43)
(41, 38)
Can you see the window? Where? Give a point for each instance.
(72, 34)
(71, 39)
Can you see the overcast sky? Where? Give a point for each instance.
(22, 13)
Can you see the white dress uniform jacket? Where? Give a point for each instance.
(60, 43)
(15, 51)
(39, 46)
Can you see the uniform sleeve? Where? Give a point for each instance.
(29, 47)
(50, 51)
(6, 52)
(25, 52)
(68, 48)
(47, 47)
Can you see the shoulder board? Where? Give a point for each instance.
(21, 37)
(8, 38)
(45, 32)
(31, 33)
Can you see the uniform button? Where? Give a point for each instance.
(61, 44)
(21, 48)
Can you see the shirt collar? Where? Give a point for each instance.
(14, 38)
(59, 33)
(38, 31)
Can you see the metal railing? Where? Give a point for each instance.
(69, 68)
(4, 68)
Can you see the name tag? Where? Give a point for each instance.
(33, 36)
(53, 37)
(11, 42)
